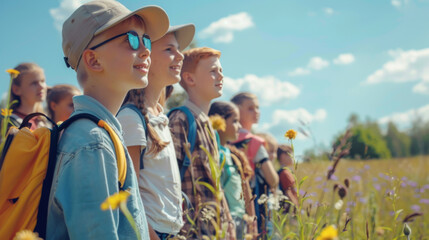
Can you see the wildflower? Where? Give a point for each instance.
(13, 73)
(218, 123)
(6, 112)
(207, 214)
(407, 230)
(26, 235)
(114, 200)
(342, 192)
(328, 233)
(291, 134)
(262, 199)
(338, 205)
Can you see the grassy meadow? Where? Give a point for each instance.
(381, 196)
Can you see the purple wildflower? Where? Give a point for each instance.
(317, 179)
(350, 169)
(377, 187)
(415, 208)
(412, 184)
(424, 200)
(374, 179)
(356, 178)
(367, 166)
(363, 200)
(333, 177)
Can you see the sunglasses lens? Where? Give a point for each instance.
(133, 39)
(147, 43)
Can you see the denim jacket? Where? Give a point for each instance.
(85, 175)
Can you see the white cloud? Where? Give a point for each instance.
(299, 72)
(406, 66)
(317, 63)
(268, 88)
(328, 11)
(398, 3)
(407, 117)
(285, 119)
(344, 59)
(66, 8)
(222, 31)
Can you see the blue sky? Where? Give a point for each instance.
(308, 61)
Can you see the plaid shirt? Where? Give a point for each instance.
(199, 168)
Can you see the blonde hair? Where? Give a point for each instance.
(57, 93)
(23, 69)
(136, 97)
(193, 56)
(239, 98)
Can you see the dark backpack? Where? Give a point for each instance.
(192, 134)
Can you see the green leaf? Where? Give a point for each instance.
(210, 187)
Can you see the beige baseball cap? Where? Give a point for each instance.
(97, 16)
(184, 34)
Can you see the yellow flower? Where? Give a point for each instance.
(114, 200)
(26, 235)
(291, 134)
(13, 73)
(328, 233)
(218, 123)
(6, 112)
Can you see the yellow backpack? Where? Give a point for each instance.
(27, 167)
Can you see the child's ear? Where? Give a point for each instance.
(16, 90)
(53, 106)
(188, 78)
(91, 61)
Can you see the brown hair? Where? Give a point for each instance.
(23, 68)
(239, 98)
(165, 94)
(136, 97)
(57, 93)
(223, 109)
(193, 56)
(283, 149)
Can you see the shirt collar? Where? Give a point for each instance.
(202, 116)
(87, 104)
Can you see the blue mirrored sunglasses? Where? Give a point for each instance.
(133, 40)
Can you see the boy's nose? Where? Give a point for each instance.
(143, 51)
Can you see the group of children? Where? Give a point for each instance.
(29, 92)
(126, 63)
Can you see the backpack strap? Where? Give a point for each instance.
(192, 134)
(42, 214)
(139, 112)
(119, 148)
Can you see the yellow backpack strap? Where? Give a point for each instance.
(119, 148)
(120, 152)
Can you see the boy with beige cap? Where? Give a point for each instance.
(108, 46)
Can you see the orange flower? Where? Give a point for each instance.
(13, 73)
(218, 123)
(6, 112)
(114, 200)
(291, 134)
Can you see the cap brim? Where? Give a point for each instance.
(155, 19)
(184, 34)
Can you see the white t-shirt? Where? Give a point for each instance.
(159, 181)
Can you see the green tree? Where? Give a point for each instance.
(419, 135)
(398, 142)
(366, 140)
